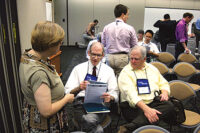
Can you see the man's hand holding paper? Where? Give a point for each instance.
(107, 97)
(83, 85)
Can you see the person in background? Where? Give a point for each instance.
(140, 35)
(182, 34)
(90, 31)
(44, 96)
(77, 83)
(118, 37)
(197, 31)
(138, 82)
(166, 31)
(147, 42)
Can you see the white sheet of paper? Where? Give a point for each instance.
(94, 91)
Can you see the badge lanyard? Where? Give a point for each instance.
(89, 77)
(143, 85)
(117, 21)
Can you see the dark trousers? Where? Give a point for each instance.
(136, 118)
(197, 34)
(87, 122)
(179, 49)
(164, 43)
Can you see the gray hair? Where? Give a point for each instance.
(97, 43)
(142, 50)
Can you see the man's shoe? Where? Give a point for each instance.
(122, 129)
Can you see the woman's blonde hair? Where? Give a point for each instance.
(45, 35)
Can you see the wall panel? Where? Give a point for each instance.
(136, 12)
(183, 4)
(29, 13)
(80, 14)
(197, 4)
(104, 12)
(158, 3)
(60, 14)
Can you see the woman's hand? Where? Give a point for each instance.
(69, 97)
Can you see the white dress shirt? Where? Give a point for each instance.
(152, 46)
(104, 73)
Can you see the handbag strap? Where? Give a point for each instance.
(156, 93)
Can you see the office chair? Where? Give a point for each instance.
(171, 48)
(166, 58)
(161, 67)
(197, 130)
(185, 71)
(182, 90)
(165, 71)
(190, 58)
(150, 129)
(105, 124)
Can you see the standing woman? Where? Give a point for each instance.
(44, 97)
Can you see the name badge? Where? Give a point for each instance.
(143, 86)
(90, 77)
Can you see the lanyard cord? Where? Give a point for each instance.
(96, 67)
(145, 73)
(117, 21)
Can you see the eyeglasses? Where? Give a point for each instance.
(96, 55)
(136, 59)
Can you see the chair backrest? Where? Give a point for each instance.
(150, 129)
(161, 67)
(159, 46)
(184, 70)
(190, 58)
(180, 89)
(166, 58)
(197, 130)
(191, 44)
(171, 48)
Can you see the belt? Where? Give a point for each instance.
(120, 53)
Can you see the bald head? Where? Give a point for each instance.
(137, 57)
(97, 45)
(141, 49)
(96, 53)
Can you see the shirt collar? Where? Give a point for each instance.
(145, 67)
(119, 20)
(183, 21)
(146, 44)
(91, 66)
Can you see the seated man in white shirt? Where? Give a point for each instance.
(147, 42)
(91, 42)
(138, 82)
(77, 84)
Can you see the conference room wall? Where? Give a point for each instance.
(29, 13)
(81, 12)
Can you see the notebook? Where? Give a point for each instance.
(92, 101)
